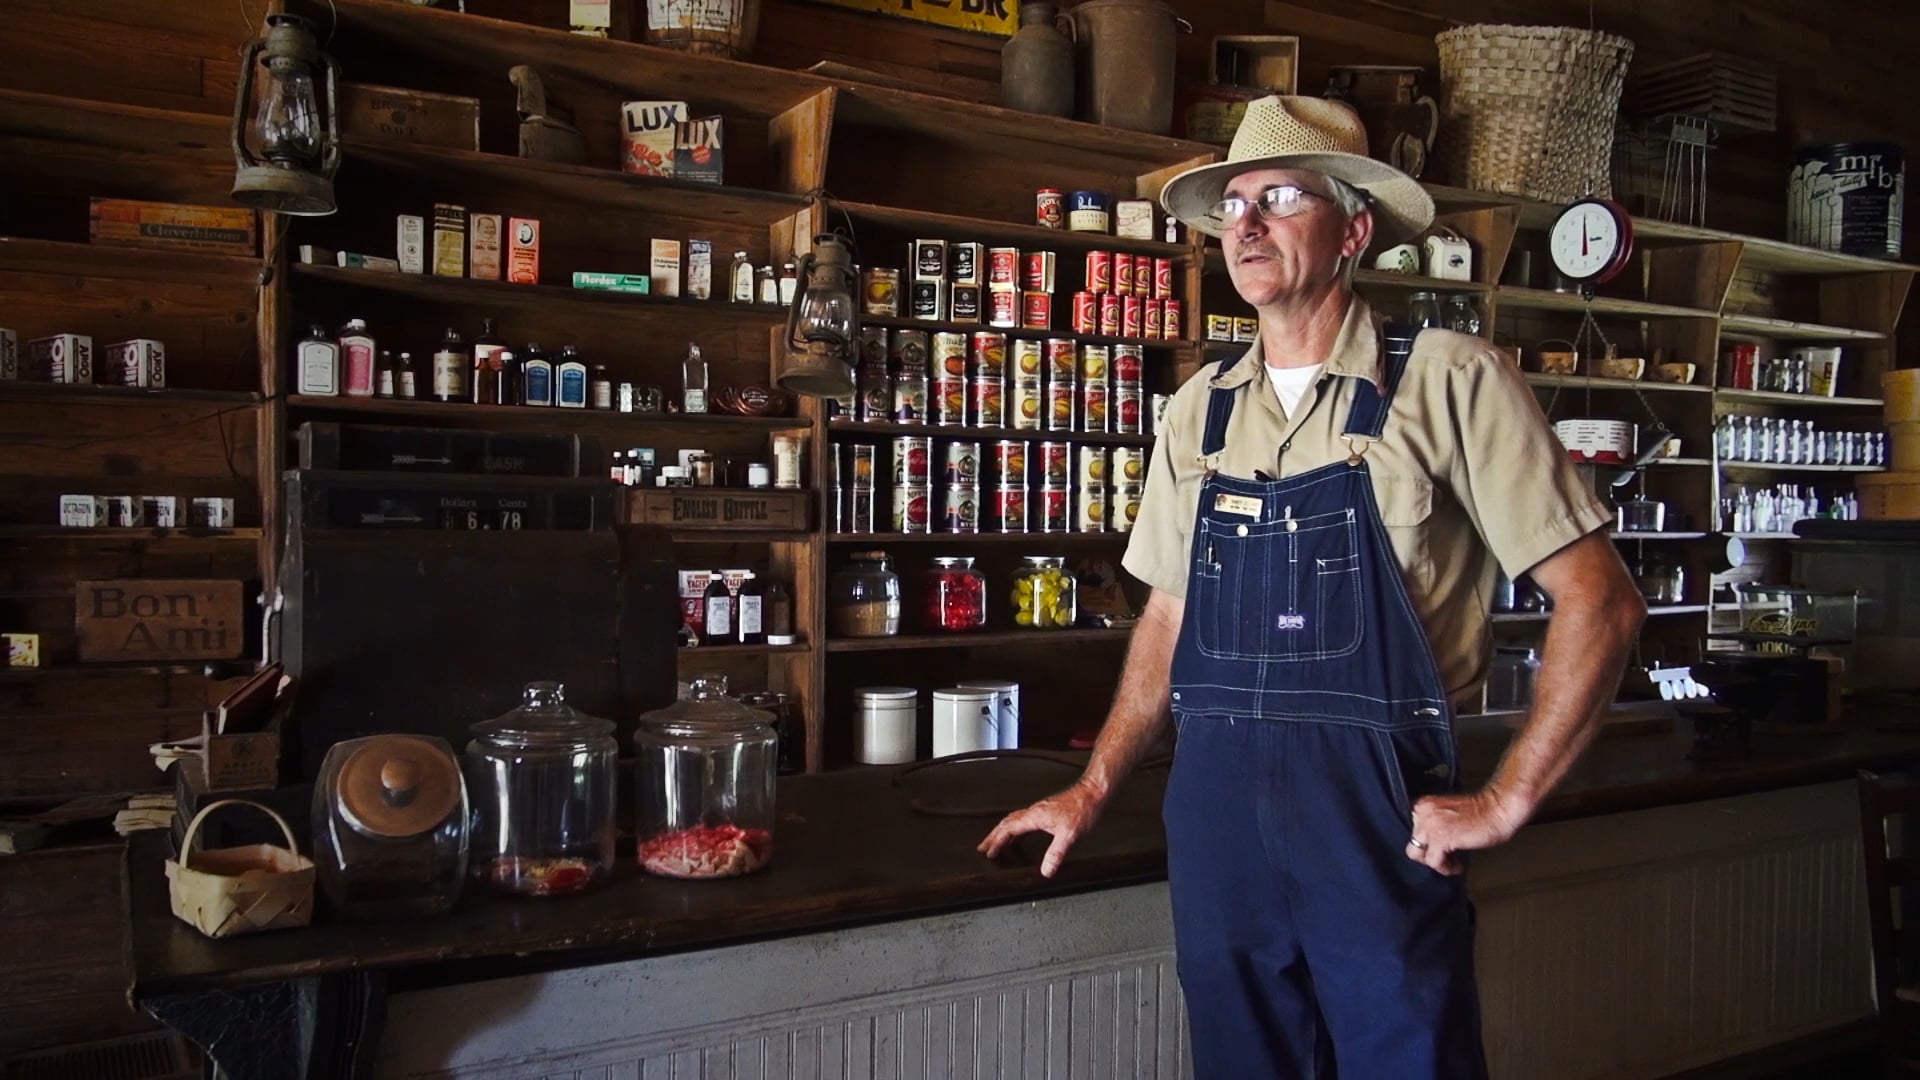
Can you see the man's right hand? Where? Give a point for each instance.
(1066, 816)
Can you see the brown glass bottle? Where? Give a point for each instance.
(486, 360)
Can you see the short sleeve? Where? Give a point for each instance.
(1158, 549)
(1523, 492)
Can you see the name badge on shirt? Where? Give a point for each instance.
(1243, 505)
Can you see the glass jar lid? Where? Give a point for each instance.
(708, 708)
(1045, 560)
(543, 719)
(953, 562)
(869, 556)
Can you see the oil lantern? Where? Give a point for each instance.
(820, 324)
(286, 144)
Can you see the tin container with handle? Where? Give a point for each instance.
(1125, 54)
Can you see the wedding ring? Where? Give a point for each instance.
(1417, 844)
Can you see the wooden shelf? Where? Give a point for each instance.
(65, 394)
(856, 427)
(1582, 382)
(1659, 535)
(117, 535)
(683, 534)
(1765, 536)
(1511, 297)
(524, 418)
(1787, 330)
(583, 185)
(218, 669)
(1755, 466)
(20, 255)
(905, 323)
(1387, 279)
(694, 652)
(980, 639)
(1003, 233)
(1652, 610)
(1029, 539)
(1774, 397)
(500, 294)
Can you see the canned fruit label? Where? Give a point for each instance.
(1060, 406)
(1062, 358)
(1093, 466)
(1099, 271)
(911, 508)
(1053, 464)
(1010, 462)
(1053, 509)
(1126, 411)
(912, 455)
(949, 401)
(989, 354)
(910, 398)
(1027, 358)
(950, 354)
(1126, 506)
(963, 462)
(1128, 360)
(989, 401)
(1093, 363)
(1027, 404)
(1129, 464)
(963, 508)
(882, 292)
(1093, 408)
(863, 467)
(1009, 508)
(1090, 514)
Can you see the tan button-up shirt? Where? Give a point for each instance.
(1467, 472)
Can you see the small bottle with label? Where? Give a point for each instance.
(505, 373)
(789, 282)
(486, 354)
(406, 384)
(740, 279)
(617, 470)
(356, 359)
(570, 379)
(451, 362)
(768, 290)
(600, 388)
(317, 360)
(694, 382)
(718, 602)
(383, 381)
(536, 376)
(749, 612)
(1173, 229)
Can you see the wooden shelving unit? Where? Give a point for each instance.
(980, 639)
(984, 434)
(932, 326)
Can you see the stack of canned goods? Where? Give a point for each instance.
(1108, 489)
(969, 380)
(853, 488)
(1127, 296)
(1005, 486)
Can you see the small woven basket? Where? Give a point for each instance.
(241, 890)
(1530, 110)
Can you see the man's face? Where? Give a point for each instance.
(1272, 259)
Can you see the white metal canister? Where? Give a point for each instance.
(1006, 700)
(963, 721)
(1607, 442)
(887, 724)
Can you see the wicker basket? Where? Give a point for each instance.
(1530, 110)
(240, 890)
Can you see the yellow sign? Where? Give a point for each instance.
(1001, 17)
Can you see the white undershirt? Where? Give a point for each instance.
(1291, 383)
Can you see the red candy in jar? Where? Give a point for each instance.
(956, 595)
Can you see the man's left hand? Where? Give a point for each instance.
(1446, 824)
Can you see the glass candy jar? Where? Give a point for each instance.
(1044, 593)
(542, 780)
(955, 597)
(390, 826)
(864, 600)
(705, 796)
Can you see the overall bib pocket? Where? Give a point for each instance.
(1277, 590)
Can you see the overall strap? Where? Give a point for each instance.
(1219, 410)
(1370, 404)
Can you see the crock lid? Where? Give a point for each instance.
(398, 785)
(884, 693)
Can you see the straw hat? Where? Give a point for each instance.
(1315, 134)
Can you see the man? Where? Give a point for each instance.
(1321, 527)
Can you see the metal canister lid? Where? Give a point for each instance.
(398, 785)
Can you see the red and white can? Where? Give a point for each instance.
(963, 462)
(1010, 462)
(1155, 322)
(1170, 322)
(1003, 309)
(987, 405)
(1040, 271)
(1142, 280)
(1060, 395)
(1052, 470)
(949, 355)
(963, 508)
(1061, 358)
(1111, 307)
(949, 401)
(1128, 363)
(1049, 208)
(1122, 273)
(1086, 313)
(911, 454)
(1007, 510)
(1162, 279)
(1003, 268)
(988, 355)
(1133, 312)
(1741, 361)
(912, 506)
(1127, 410)
(1093, 408)
(1099, 271)
(1051, 513)
(1025, 404)
(1036, 311)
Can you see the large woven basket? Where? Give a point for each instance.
(1530, 110)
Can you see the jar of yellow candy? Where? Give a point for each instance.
(1043, 593)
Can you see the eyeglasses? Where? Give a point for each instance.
(1274, 203)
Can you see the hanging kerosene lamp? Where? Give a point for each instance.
(821, 324)
(286, 143)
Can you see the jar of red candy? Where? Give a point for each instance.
(541, 779)
(956, 595)
(705, 791)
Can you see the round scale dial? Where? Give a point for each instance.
(1591, 240)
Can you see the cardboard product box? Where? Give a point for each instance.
(63, 358)
(523, 251)
(700, 269)
(124, 511)
(411, 248)
(449, 240)
(649, 131)
(390, 114)
(590, 18)
(23, 650)
(82, 511)
(483, 247)
(967, 263)
(1133, 219)
(138, 362)
(353, 260)
(211, 512)
(698, 150)
(9, 354)
(665, 270)
(222, 230)
(161, 511)
(313, 255)
(626, 283)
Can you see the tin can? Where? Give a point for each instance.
(859, 512)
(1159, 411)
(949, 400)
(950, 355)
(1219, 328)
(1003, 308)
(1089, 211)
(1128, 363)
(1060, 395)
(1124, 506)
(1086, 313)
(1132, 316)
(1050, 514)
(1025, 404)
(1007, 509)
(963, 462)
(1170, 328)
(907, 350)
(1112, 305)
(1095, 363)
(1003, 268)
(1142, 281)
(1246, 330)
(929, 259)
(1093, 467)
(910, 397)
(1126, 410)
(1129, 465)
(1122, 273)
(1154, 324)
(882, 291)
(1061, 358)
(1090, 510)
(1163, 279)
(1028, 358)
(964, 304)
(1041, 267)
(988, 402)
(1049, 208)
(1093, 407)
(965, 262)
(1099, 271)
(911, 457)
(1052, 469)
(928, 300)
(1743, 360)
(988, 355)
(963, 508)
(1036, 311)
(861, 473)
(912, 504)
(1010, 462)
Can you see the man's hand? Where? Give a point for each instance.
(1446, 824)
(1067, 816)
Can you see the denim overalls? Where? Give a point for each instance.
(1311, 716)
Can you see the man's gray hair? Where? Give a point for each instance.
(1351, 202)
